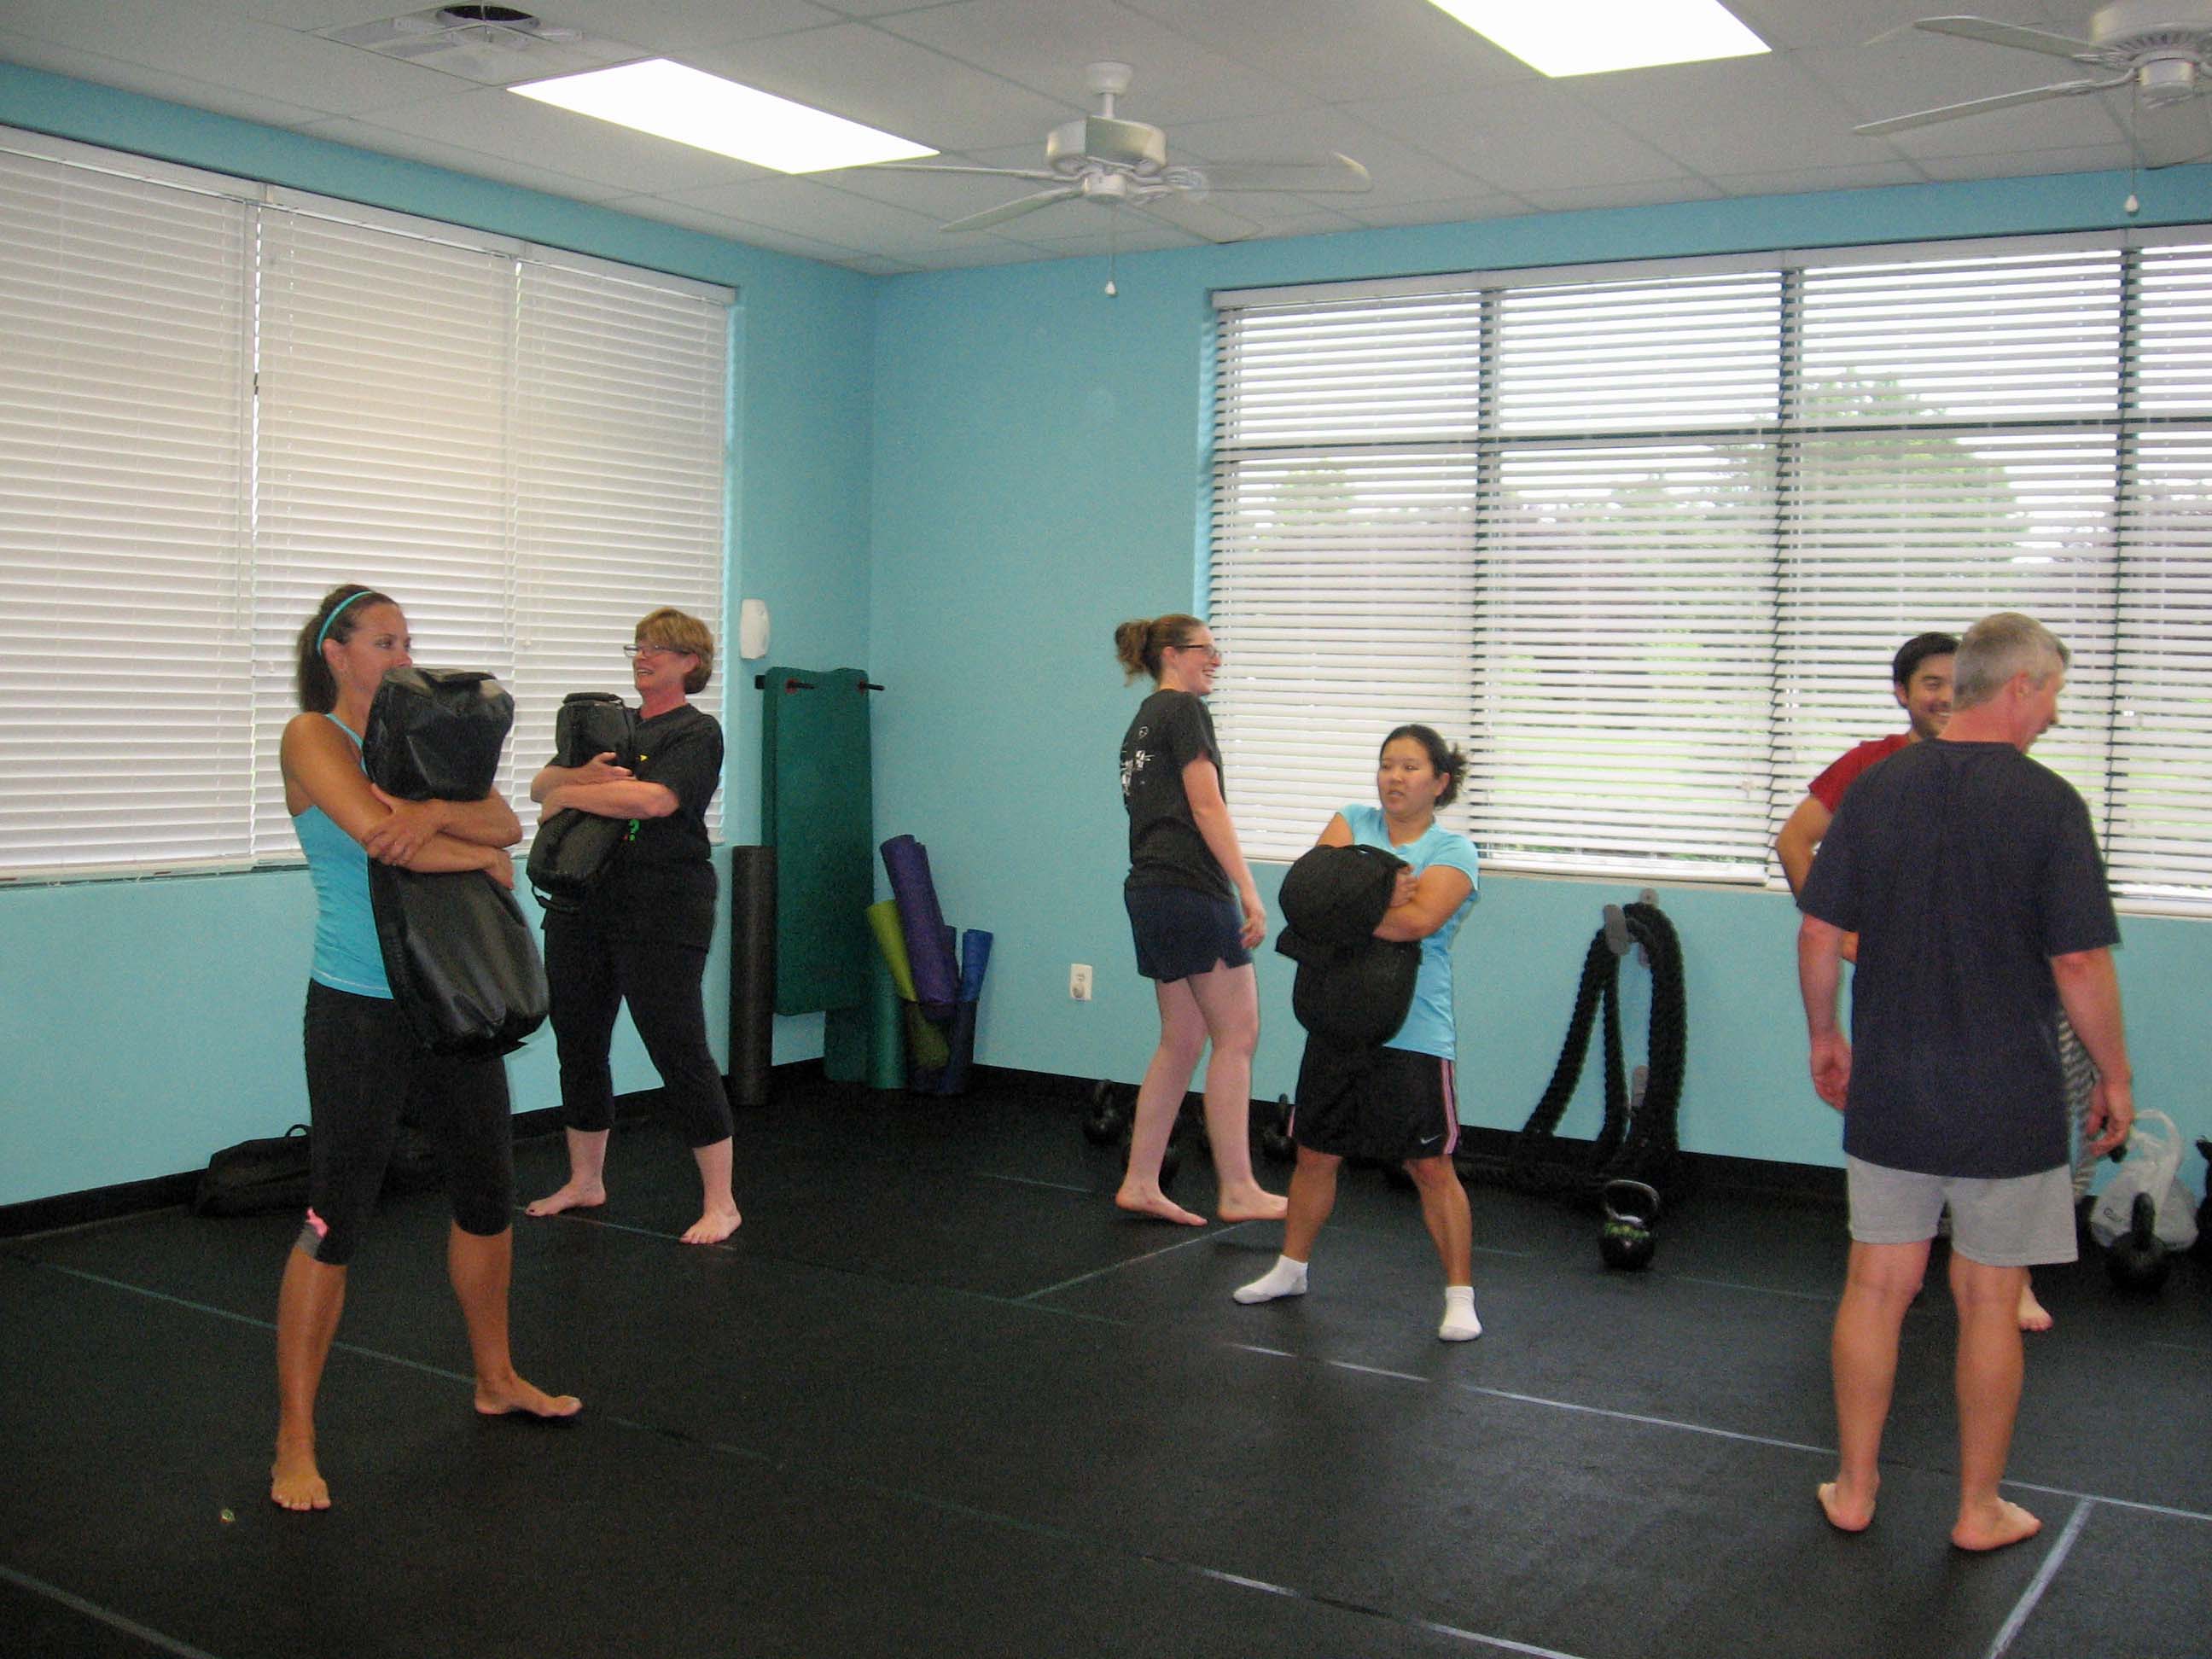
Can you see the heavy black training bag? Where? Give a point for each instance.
(572, 849)
(1337, 894)
(255, 1177)
(436, 733)
(1352, 987)
(464, 969)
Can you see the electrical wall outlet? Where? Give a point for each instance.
(1079, 980)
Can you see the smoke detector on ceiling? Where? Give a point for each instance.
(493, 45)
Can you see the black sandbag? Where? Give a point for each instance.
(436, 733)
(569, 854)
(463, 966)
(255, 1177)
(590, 724)
(1338, 895)
(1352, 993)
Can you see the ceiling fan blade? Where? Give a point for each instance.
(1929, 118)
(998, 215)
(1201, 218)
(2008, 34)
(2167, 135)
(1340, 174)
(996, 173)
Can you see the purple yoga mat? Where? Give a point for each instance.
(936, 978)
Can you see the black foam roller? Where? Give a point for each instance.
(752, 973)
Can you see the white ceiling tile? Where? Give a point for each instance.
(1652, 193)
(1787, 23)
(676, 28)
(1522, 136)
(1343, 54)
(940, 195)
(1454, 209)
(29, 52)
(1045, 45)
(986, 249)
(1805, 181)
(1710, 116)
(501, 123)
(867, 75)
(1901, 77)
(811, 210)
(1092, 233)
(410, 147)
(876, 265)
(731, 229)
(2026, 162)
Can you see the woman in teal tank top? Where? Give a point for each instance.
(363, 1064)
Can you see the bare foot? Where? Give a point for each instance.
(1157, 1203)
(516, 1397)
(1846, 1514)
(573, 1195)
(2033, 1316)
(1253, 1204)
(1993, 1527)
(295, 1482)
(711, 1228)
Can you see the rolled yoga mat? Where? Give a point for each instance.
(752, 973)
(975, 961)
(816, 812)
(890, 944)
(886, 1032)
(929, 957)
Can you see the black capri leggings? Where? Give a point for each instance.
(615, 948)
(365, 1070)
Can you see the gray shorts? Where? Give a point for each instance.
(2023, 1222)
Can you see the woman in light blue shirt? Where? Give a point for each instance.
(1398, 1103)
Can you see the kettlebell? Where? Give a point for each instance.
(1106, 1117)
(2139, 1261)
(1626, 1241)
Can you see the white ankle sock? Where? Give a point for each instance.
(1460, 1323)
(1285, 1278)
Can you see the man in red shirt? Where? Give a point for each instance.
(1920, 677)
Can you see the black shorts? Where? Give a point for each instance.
(1392, 1104)
(1180, 931)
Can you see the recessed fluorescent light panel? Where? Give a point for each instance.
(691, 106)
(1588, 37)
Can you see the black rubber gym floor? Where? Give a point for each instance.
(937, 1397)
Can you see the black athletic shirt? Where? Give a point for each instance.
(682, 752)
(1964, 868)
(1172, 729)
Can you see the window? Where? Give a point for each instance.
(219, 400)
(1643, 539)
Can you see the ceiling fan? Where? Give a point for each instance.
(2158, 49)
(1102, 158)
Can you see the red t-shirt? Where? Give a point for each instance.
(1828, 788)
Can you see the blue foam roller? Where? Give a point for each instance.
(936, 977)
(975, 959)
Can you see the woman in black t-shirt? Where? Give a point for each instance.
(1195, 914)
(641, 933)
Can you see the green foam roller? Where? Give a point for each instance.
(887, 1029)
(884, 922)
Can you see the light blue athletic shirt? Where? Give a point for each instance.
(346, 954)
(1430, 1027)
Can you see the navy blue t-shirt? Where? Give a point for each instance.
(1964, 868)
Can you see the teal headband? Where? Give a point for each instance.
(322, 633)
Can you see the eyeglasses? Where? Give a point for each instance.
(634, 652)
(1212, 651)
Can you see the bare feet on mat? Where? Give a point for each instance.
(295, 1482)
(713, 1227)
(2033, 1316)
(1847, 1511)
(574, 1195)
(1991, 1527)
(1157, 1203)
(1252, 1203)
(516, 1397)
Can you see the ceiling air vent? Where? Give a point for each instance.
(492, 45)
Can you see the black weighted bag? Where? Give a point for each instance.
(1352, 987)
(436, 733)
(1337, 894)
(464, 969)
(572, 849)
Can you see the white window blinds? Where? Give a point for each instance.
(1644, 541)
(125, 617)
(217, 402)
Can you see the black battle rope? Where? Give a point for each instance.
(1637, 1141)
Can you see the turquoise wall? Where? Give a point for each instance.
(145, 1023)
(1040, 467)
(962, 481)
